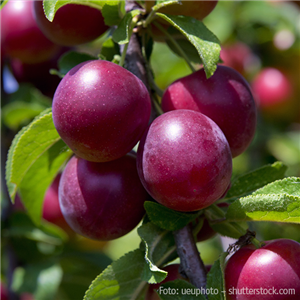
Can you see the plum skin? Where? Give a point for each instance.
(72, 25)
(101, 110)
(276, 264)
(184, 160)
(20, 35)
(225, 97)
(102, 201)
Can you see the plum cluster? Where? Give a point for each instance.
(184, 158)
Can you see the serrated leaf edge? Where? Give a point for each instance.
(14, 146)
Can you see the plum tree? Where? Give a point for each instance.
(173, 274)
(184, 160)
(274, 266)
(102, 201)
(20, 35)
(225, 97)
(72, 25)
(101, 110)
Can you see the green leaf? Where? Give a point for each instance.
(167, 218)
(216, 280)
(51, 6)
(43, 171)
(40, 279)
(206, 43)
(120, 280)
(290, 186)
(214, 213)
(159, 247)
(71, 59)
(162, 3)
(278, 201)
(122, 33)
(190, 51)
(109, 49)
(28, 145)
(112, 12)
(226, 229)
(2, 3)
(251, 181)
(16, 114)
(180, 290)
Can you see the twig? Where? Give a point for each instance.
(190, 261)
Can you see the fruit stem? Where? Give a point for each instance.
(173, 41)
(149, 19)
(122, 60)
(190, 260)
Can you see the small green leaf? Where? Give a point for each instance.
(18, 113)
(216, 280)
(111, 12)
(214, 213)
(120, 280)
(27, 146)
(180, 290)
(122, 33)
(206, 43)
(278, 201)
(109, 49)
(226, 229)
(43, 171)
(71, 59)
(167, 218)
(190, 51)
(159, 247)
(162, 3)
(290, 186)
(51, 6)
(251, 181)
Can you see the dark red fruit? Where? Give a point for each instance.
(184, 160)
(72, 25)
(101, 110)
(102, 201)
(273, 268)
(20, 35)
(225, 98)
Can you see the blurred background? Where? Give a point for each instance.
(260, 39)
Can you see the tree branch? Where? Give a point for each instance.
(190, 260)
